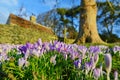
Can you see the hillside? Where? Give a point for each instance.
(20, 35)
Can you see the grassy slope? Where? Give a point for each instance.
(20, 35)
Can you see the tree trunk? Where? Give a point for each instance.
(88, 28)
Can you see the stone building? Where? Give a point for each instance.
(16, 20)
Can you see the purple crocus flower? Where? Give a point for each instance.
(22, 62)
(94, 49)
(23, 49)
(56, 44)
(29, 45)
(52, 47)
(46, 45)
(103, 48)
(77, 63)
(115, 75)
(42, 51)
(96, 73)
(74, 55)
(3, 57)
(39, 42)
(59, 46)
(82, 50)
(35, 45)
(52, 59)
(116, 49)
(88, 66)
(36, 52)
(64, 49)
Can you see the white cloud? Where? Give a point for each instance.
(9, 2)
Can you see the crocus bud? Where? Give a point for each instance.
(108, 64)
(22, 62)
(52, 59)
(95, 58)
(115, 75)
(96, 73)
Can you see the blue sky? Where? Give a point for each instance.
(30, 6)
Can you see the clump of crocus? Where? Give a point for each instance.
(108, 64)
(115, 75)
(96, 73)
(52, 59)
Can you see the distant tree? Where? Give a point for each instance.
(109, 38)
(88, 27)
(49, 19)
(107, 17)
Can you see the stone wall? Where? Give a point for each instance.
(15, 20)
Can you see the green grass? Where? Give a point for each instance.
(19, 35)
(110, 45)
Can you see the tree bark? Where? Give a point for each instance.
(88, 27)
